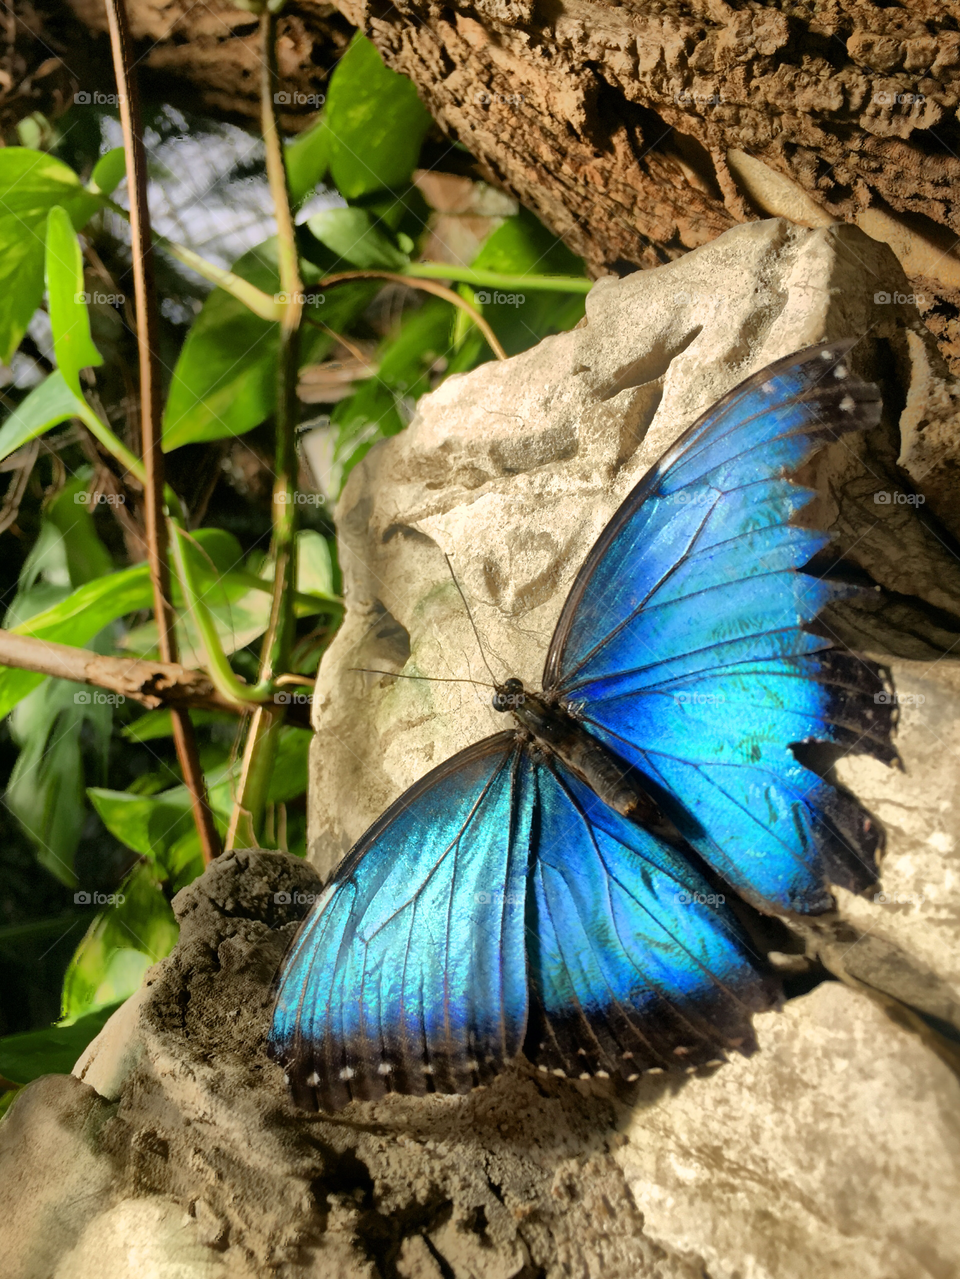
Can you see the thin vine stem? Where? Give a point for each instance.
(263, 736)
(428, 286)
(145, 297)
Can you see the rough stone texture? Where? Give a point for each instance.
(833, 1151)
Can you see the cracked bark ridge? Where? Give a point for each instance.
(617, 123)
(209, 54)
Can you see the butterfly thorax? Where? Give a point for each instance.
(554, 731)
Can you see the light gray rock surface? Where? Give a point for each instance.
(831, 1152)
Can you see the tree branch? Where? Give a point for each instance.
(152, 684)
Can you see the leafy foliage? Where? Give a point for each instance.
(94, 787)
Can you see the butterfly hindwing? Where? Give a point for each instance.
(408, 975)
(635, 962)
(687, 641)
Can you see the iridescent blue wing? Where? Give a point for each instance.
(635, 962)
(687, 642)
(408, 975)
(499, 905)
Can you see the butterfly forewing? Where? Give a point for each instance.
(687, 644)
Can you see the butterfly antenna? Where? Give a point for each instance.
(472, 622)
(432, 679)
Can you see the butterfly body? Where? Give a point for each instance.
(540, 892)
(554, 729)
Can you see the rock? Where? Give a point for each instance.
(832, 1152)
(57, 1170)
(833, 1149)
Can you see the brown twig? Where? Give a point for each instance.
(146, 311)
(18, 485)
(152, 684)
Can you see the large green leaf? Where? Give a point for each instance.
(51, 1051)
(314, 564)
(75, 620)
(86, 611)
(307, 159)
(47, 405)
(31, 184)
(122, 942)
(69, 318)
(224, 382)
(352, 235)
(46, 788)
(61, 728)
(376, 121)
(522, 245)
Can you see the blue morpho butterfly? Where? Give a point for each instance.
(683, 669)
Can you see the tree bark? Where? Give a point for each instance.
(638, 133)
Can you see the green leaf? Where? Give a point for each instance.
(69, 318)
(522, 245)
(376, 121)
(47, 405)
(108, 172)
(314, 564)
(52, 1051)
(158, 724)
(31, 184)
(369, 415)
(352, 235)
(307, 159)
(424, 337)
(57, 727)
(150, 825)
(289, 777)
(224, 382)
(122, 942)
(70, 513)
